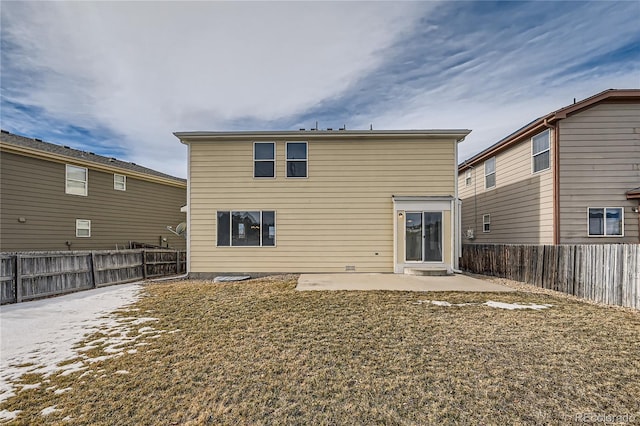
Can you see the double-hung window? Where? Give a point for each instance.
(83, 228)
(490, 173)
(297, 160)
(540, 151)
(467, 178)
(486, 223)
(264, 159)
(246, 228)
(76, 180)
(119, 182)
(606, 222)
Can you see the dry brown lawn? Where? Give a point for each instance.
(258, 352)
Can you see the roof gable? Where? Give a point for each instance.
(540, 124)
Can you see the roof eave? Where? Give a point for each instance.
(457, 134)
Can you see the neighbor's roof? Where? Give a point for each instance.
(39, 148)
(634, 193)
(186, 137)
(540, 124)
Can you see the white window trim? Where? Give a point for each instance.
(495, 168)
(67, 179)
(533, 171)
(306, 161)
(231, 212)
(605, 235)
(78, 222)
(115, 182)
(486, 220)
(274, 160)
(468, 178)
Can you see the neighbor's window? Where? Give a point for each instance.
(246, 228)
(83, 228)
(540, 151)
(76, 178)
(119, 182)
(296, 159)
(467, 177)
(606, 222)
(264, 159)
(486, 223)
(490, 173)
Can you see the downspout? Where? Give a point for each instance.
(556, 179)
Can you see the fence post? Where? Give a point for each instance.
(92, 266)
(177, 262)
(18, 279)
(144, 264)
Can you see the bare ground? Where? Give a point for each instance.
(258, 352)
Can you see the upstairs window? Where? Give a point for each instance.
(246, 228)
(467, 178)
(297, 159)
(486, 223)
(119, 182)
(490, 173)
(606, 222)
(540, 151)
(76, 180)
(264, 160)
(83, 228)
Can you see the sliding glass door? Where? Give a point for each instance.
(423, 236)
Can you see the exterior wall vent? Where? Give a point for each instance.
(350, 268)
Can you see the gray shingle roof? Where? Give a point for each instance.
(39, 145)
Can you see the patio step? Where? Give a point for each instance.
(427, 272)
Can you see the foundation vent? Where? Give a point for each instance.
(350, 268)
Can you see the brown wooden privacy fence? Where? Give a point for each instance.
(27, 276)
(607, 273)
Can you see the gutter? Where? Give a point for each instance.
(555, 128)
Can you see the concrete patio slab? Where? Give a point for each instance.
(395, 282)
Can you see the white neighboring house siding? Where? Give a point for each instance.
(599, 162)
(520, 205)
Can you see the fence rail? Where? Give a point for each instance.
(32, 275)
(607, 273)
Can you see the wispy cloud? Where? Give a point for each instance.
(126, 75)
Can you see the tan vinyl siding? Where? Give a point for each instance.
(520, 205)
(599, 163)
(341, 215)
(35, 190)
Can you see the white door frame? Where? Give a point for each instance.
(403, 204)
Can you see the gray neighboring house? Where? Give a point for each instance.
(569, 177)
(58, 198)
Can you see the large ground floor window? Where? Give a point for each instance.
(606, 222)
(246, 228)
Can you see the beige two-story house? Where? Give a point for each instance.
(322, 201)
(569, 177)
(54, 197)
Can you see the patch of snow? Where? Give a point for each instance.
(512, 306)
(143, 330)
(122, 372)
(174, 331)
(225, 279)
(143, 320)
(67, 419)
(44, 332)
(490, 303)
(61, 391)
(6, 416)
(132, 351)
(49, 410)
(29, 387)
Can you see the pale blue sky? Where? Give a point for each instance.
(117, 78)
